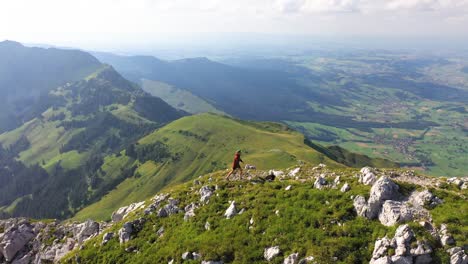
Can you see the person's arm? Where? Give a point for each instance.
(241, 160)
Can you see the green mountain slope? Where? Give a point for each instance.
(291, 213)
(199, 144)
(27, 73)
(83, 122)
(178, 98)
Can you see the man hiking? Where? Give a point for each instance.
(236, 164)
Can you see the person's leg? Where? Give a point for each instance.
(229, 174)
(241, 172)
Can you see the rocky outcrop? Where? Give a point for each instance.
(86, 230)
(190, 211)
(129, 229)
(271, 252)
(394, 212)
(14, 239)
(123, 212)
(384, 203)
(401, 245)
(30, 242)
(170, 208)
(367, 176)
(205, 193)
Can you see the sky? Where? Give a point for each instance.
(113, 24)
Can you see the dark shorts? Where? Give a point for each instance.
(236, 166)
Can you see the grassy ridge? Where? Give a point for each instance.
(206, 143)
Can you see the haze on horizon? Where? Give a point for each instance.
(114, 25)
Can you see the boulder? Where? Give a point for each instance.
(457, 256)
(277, 173)
(382, 190)
(86, 230)
(125, 232)
(107, 237)
(187, 256)
(320, 182)
(271, 252)
(445, 237)
(367, 176)
(345, 187)
(123, 212)
(205, 192)
(394, 212)
(190, 211)
(288, 188)
(231, 211)
(360, 205)
(294, 172)
(196, 256)
(14, 240)
(291, 259)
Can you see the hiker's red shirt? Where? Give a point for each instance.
(237, 160)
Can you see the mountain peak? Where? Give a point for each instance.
(10, 43)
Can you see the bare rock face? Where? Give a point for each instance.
(14, 240)
(367, 176)
(271, 252)
(123, 212)
(394, 212)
